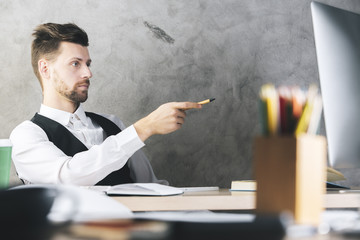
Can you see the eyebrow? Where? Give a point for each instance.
(80, 59)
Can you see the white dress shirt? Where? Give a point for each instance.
(38, 160)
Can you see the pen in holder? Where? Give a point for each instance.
(290, 175)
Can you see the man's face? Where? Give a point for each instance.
(70, 72)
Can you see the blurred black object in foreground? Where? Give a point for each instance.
(263, 227)
(24, 213)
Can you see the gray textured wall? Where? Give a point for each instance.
(224, 49)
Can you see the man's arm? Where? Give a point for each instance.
(38, 160)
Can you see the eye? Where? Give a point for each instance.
(75, 64)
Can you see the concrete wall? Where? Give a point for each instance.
(147, 52)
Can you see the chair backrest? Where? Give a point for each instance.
(14, 179)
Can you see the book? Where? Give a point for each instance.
(250, 185)
(143, 189)
(243, 185)
(333, 175)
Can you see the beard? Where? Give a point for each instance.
(73, 94)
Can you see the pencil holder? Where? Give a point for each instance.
(290, 175)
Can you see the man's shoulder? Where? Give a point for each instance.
(25, 129)
(25, 125)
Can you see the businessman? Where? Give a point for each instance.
(64, 144)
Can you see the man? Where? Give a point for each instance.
(63, 143)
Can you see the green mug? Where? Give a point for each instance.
(5, 162)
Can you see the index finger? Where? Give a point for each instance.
(186, 105)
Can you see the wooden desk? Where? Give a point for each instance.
(222, 200)
(213, 200)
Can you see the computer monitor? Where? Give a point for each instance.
(337, 41)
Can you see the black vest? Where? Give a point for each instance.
(70, 145)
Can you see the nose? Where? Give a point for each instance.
(87, 72)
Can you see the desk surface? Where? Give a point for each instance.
(222, 199)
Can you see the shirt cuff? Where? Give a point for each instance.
(129, 140)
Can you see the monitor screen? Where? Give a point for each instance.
(337, 41)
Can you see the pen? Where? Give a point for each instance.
(206, 101)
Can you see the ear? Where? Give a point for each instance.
(43, 66)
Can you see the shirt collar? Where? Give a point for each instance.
(80, 113)
(62, 117)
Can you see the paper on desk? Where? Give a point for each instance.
(199, 189)
(341, 221)
(153, 187)
(196, 216)
(144, 189)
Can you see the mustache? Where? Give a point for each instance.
(87, 82)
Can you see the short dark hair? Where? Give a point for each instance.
(47, 39)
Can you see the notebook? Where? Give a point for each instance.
(143, 189)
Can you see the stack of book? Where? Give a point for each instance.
(243, 185)
(332, 176)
